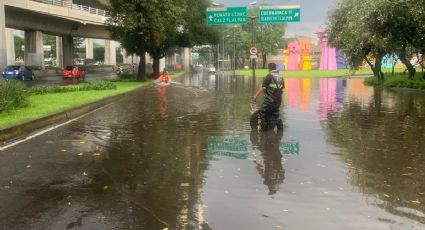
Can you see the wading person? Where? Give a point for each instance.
(272, 87)
(164, 76)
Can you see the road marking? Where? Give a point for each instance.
(47, 130)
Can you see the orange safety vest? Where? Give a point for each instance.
(164, 78)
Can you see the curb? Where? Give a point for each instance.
(12, 132)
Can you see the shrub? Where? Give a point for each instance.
(125, 78)
(46, 89)
(101, 85)
(13, 94)
(372, 81)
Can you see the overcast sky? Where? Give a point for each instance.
(313, 13)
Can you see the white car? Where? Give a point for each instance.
(212, 70)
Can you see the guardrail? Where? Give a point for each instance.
(73, 6)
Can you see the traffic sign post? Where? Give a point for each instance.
(227, 16)
(280, 14)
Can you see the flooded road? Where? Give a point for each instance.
(184, 157)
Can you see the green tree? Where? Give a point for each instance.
(349, 33)
(269, 38)
(127, 24)
(401, 24)
(157, 26)
(19, 43)
(50, 40)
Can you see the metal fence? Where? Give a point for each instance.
(73, 6)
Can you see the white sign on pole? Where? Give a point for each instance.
(253, 50)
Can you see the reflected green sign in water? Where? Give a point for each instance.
(226, 16)
(289, 147)
(228, 147)
(279, 14)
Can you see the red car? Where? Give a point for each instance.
(73, 72)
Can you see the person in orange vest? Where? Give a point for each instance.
(164, 76)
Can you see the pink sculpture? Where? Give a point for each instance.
(328, 58)
(293, 57)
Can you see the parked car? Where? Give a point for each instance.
(18, 72)
(73, 72)
(211, 69)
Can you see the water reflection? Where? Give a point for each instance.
(271, 169)
(169, 168)
(381, 143)
(163, 103)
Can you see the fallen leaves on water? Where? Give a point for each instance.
(278, 226)
(63, 150)
(84, 174)
(416, 201)
(285, 210)
(28, 166)
(82, 142)
(97, 154)
(386, 195)
(184, 184)
(80, 154)
(106, 187)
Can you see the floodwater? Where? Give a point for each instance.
(184, 157)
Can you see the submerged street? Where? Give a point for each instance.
(184, 157)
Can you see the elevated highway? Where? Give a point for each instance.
(61, 18)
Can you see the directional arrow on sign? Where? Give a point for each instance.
(211, 18)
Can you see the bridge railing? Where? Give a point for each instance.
(73, 6)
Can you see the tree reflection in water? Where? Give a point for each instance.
(382, 144)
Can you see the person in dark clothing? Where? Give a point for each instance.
(272, 87)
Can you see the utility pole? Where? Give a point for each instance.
(253, 60)
(234, 51)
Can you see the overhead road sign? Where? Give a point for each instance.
(227, 16)
(280, 14)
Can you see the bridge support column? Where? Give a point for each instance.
(89, 48)
(59, 52)
(68, 50)
(110, 53)
(10, 44)
(186, 58)
(161, 64)
(34, 53)
(124, 56)
(3, 56)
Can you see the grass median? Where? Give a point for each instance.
(46, 104)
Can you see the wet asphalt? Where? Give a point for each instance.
(184, 157)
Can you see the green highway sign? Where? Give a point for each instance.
(227, 16)
(228, 146)
(280, 14)
(289, 148)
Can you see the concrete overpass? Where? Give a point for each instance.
(62, 18)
